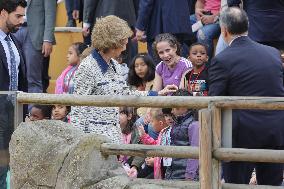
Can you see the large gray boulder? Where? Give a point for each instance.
(53, 154)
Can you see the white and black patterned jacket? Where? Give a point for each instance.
(95, 77)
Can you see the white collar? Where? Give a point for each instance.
(236, 37)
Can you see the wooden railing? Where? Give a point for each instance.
(215, 117)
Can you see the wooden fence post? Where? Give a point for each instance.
(205, 149)
(216, 136)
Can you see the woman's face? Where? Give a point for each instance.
(141, 68)
(116, 52)
(167, 53)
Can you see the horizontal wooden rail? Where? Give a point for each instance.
(251, 155)
(243, 186)
(150, 150)
(269, 103)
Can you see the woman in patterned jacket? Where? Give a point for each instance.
(100, 74)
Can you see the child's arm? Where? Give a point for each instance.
(146, 139)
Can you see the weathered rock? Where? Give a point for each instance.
(53, 154)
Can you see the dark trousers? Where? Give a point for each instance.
(6, 129)
(266, 173)
(69, 5)
(45, 76)
(3, 175)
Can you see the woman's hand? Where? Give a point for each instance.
(168, 89)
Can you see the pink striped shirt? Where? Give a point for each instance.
(213, 6)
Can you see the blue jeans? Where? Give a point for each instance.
(207, 34)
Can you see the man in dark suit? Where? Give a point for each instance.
(247, 68)
(124, 9)
(37, 38)
(164, 16)
(12, 73)
(266, 21)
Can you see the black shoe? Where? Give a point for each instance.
(71, 23)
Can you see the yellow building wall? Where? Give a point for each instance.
(58, 61)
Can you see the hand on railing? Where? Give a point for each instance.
(132, 173)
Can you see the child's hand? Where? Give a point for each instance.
(132, 173)
(149, 161)
(141, 130)
(253, 180)
(168, 89)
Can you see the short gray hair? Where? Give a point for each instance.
(235, 20)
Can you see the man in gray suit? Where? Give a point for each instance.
(36, 38)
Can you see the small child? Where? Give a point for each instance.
(141, 72)
(130, 134)
(60, 112)
(158, 121)
(39, 112)
(184, 132)
(64, 83)
(196, 80)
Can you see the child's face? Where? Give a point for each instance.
(72, 57)
(198, 55)
(167, 53)
(179, 111)
(123, 119)
(169, 119)
(59, 112)
(36, 114)
(140, 67)
(157, 125)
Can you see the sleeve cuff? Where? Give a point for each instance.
(86, 25)
(152, 93)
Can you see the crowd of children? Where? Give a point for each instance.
(150, 126)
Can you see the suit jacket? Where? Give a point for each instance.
(125, 9)
(6, 107)
(4, 71)
(41, 15)
(265, 19)
(247, 68)
(164, 16)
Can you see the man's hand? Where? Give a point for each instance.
(46, 48)
(86, 31)
(132, 173)
(207, 19)
(75, 14)
(140, 35)
(199, 13)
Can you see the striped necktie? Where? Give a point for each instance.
(13, 66)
